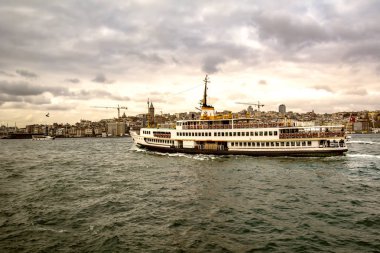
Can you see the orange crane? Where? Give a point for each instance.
(112, 107)
(258, 104)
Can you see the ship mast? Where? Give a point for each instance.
(206, 80)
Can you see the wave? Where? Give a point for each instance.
(363, 142)
(200, 157)
(363, 155)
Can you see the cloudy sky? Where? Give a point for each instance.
(64, 57)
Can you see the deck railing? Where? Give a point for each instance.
(235, 126)
(311, 135)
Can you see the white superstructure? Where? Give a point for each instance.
(220, 134)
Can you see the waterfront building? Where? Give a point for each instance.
(116, 129)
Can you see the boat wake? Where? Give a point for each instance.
(363, 142)
(201, 157)
(363, 156)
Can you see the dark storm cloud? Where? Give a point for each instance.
(289, 31)
(4, 73)
(26, 73)
(101, 78)
(20, 88)
(212, 64)
(130, 33)
(9, 98)
(204, 35)
(72, 80)
(37, 100)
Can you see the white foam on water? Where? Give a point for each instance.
(201, 157)
(363, 142)
(363, 156)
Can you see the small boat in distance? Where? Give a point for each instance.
(42, 137)
(227, 135)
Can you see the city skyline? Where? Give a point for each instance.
(66, 57)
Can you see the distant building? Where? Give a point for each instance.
(116, 129)
(250, 110)
(282, 109)
(150, 116)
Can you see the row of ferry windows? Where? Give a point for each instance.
(146, 132)
(160, 141)
(253, 133)
(271, 144)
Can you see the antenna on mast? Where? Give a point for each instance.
(206, 81)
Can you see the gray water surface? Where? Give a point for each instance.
(105, 195)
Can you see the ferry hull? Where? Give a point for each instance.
(298, 153)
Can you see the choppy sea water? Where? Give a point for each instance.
(105, 195)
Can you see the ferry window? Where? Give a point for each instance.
(267, 144)
(265, 133)
(240, 144)
(253, 144)
(234, 133)
(292, 143)
(261, 133)
(282, 144)
(270, 133)
(230, 133)
(192, 134)
(203, 134)
(275, 133)
(238, 133)
(277, 144)
(309, 143)
(245, 144)
(218, 134)
(232, 144)
(303, 143)
(258, 144)
(272, 144)
(249, 144)
(222, 133)
(214, 133)
(287, 144)
(256, 133)
(242, 134)
(252, 133)
(226, 134)
(298, 143)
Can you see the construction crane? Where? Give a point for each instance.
(113, 107)
(258, 104)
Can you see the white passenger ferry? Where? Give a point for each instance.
(224, 135)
